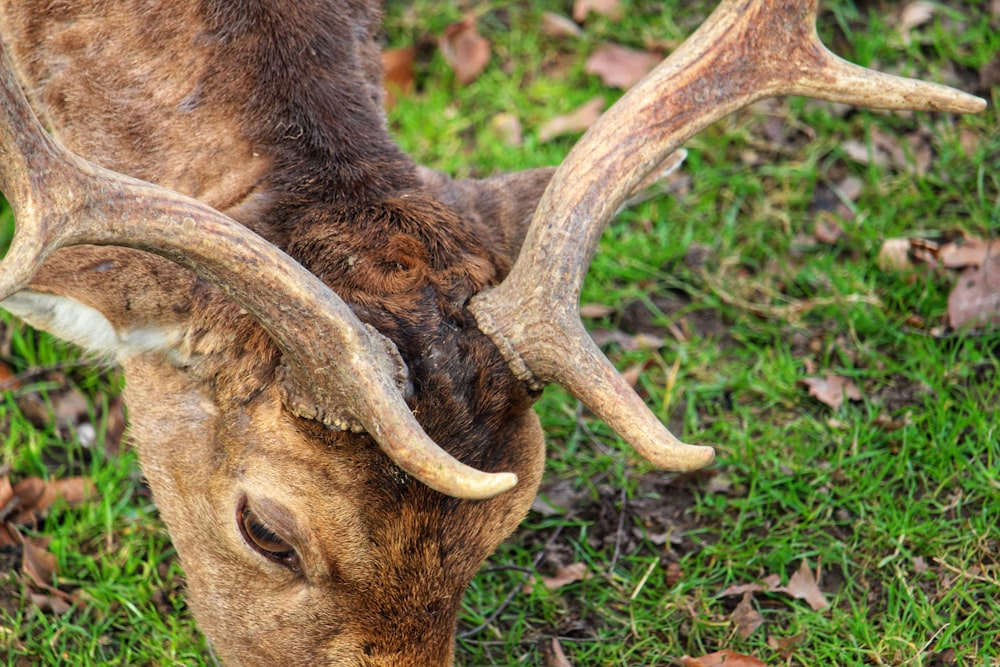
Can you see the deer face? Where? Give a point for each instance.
(303, 545)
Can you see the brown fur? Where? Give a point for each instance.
(271, 112)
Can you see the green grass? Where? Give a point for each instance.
(901, 518)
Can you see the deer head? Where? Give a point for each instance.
(331, 354)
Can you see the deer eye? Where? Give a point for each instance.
(265, 541)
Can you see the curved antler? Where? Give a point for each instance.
(746, 50)
(60, 200)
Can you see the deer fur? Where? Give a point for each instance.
(271, 112)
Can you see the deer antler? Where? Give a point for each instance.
(60, 199)
(746, 50)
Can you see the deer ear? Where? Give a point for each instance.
(498, 209)
(113, 302)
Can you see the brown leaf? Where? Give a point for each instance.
(832, 389)
(610, 8)
(802, 586)
(894, 255)
(577, 120)
(568, 574)
(967, 251)
(619, 66)
(37, 563)
(746, 617)
(6, 491)
(785, 646)
(915, 14)
(975, 298)
(828, 229)
(70, 407)
(397, 69)
(74, 490)
(595, 310)
(557, 25)
(632, 374)
(508, 127)
(8, 379)
(555, 656)
(724, 658)
(7, 537)
(465, 50)
(564, 576)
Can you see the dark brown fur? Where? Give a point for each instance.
(271, 112)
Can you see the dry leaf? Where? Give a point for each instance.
(8, 379)
(508, 126)
(724, 658)
(975, 298)
(465, 50)
(568, 574)
(967, 251)
(894, 255)
(632, 374)
(828, 229)
(556, 25)
(397, 69)
(832, 389)
(610, 8)
(37, 563)
(802, 586)
(785, 646)
(595, 310)
(555, 656)
(915, 14)
(577, 120)
(746, 617)
(619, 66)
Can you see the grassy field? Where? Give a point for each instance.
(758, 268)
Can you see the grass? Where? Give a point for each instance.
(892, 498)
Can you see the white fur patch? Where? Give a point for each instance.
(85, 326)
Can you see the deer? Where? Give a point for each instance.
(331, 353)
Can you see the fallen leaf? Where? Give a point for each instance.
(632, 374)
(38, 563)
(967, 251)
(724, 658)
(465, 50)
(828, 229)
(610, 8)
(568, 574)
(577, 120)
(915, 14)
(557, 25)
(785, 646)
(619, 66)
(746, 617)
(595, 310)
(398, 77)
(832, 389)
(975, 298)
(508, 127)
(8, 379)
(894, 255)
(802, 586)
(555, 656)
(640, 341)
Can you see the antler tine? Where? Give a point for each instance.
(745, 51)
(60, 199)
